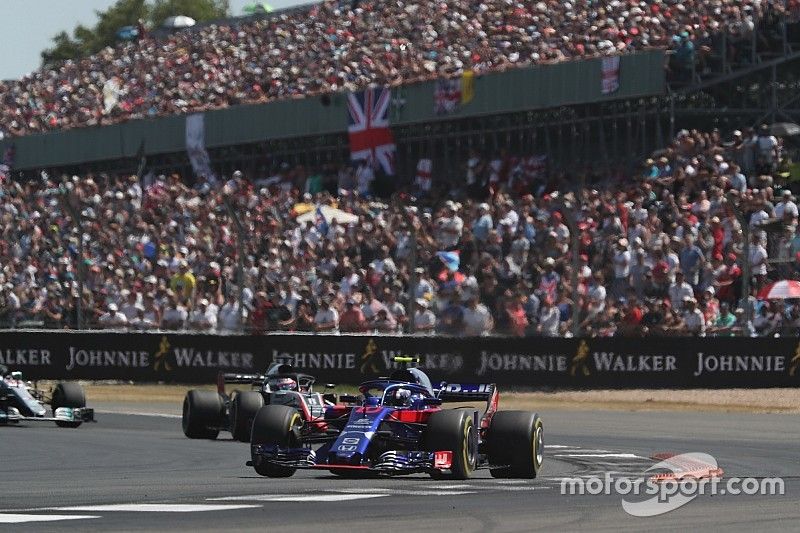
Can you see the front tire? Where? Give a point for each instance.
(202, 414)
(453, 430)
(274, 425)
(244, 407)
(68, 395)
(516, 440)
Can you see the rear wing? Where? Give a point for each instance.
(224, 378)
(467, 392)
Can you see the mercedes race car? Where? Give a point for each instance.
(206, 413)
(397, 426)
(21, 401)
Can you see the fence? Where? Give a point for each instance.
(546, 363)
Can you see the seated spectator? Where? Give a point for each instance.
(175, 315)
(352, 318)
(112, 318)
(424, 319)
(203, 317)
(327, 318)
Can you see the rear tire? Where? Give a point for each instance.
(453, 430)
(273, 426)
(202, 414)
(515, 439)
(244, 407)
(68, 395)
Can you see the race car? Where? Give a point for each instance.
(21, 401)
(206, 413)
(397, 426)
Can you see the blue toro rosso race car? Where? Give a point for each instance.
(397, 425)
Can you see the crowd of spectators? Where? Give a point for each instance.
(336, 46)
(660, 252)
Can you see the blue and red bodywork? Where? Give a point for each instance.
(374, 433)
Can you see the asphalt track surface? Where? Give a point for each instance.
(139, 473)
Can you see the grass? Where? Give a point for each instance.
(729, 400)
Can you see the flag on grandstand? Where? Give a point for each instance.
(111, 92)
(446, 96)
(196, 146)
(371, 139)
(467, 87)
(450, 94)
(452, 260)
(610, 75)
(322, 224)
(423, 177)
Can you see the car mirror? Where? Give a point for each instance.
(348, 398)
(330, 385)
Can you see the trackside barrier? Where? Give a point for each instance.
(543, 363)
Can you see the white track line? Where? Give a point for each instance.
(134, 413)
(155, 507)
(409, 492)
(600, 455)
(9, 518)
(300, 497)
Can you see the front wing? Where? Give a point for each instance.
(62, 414)
(392, 462)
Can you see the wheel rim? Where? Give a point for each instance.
(470, 447)
(538, 443)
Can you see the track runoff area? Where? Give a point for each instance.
(138, 472)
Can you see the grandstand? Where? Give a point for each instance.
(570, 195)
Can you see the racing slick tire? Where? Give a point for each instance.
(515, 439)
(68, 395)
(274, 425)
(453, 430)
(244, 407)
(202, 414)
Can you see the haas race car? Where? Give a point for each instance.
(397, 426)
(206, 413)
(21, 401)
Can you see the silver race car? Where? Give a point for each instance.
(22, 401)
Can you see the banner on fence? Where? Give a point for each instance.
(510, 362)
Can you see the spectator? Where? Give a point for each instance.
(204, 316)
(129, 307)
(680, 292)
(175, 315)
(327, 319)
(352, 319)
(693, 320)
(231, 315)
(112, 318)
(549, 319)
(424, 319)
(476, 318)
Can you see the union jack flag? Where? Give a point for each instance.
(368, 129)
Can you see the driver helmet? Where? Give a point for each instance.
(286, 384)
(402, 397)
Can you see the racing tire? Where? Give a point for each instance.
(202, 414)
(274, 425)
(516, 440)
(453, 430)
(244, 407)
(68, 395)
